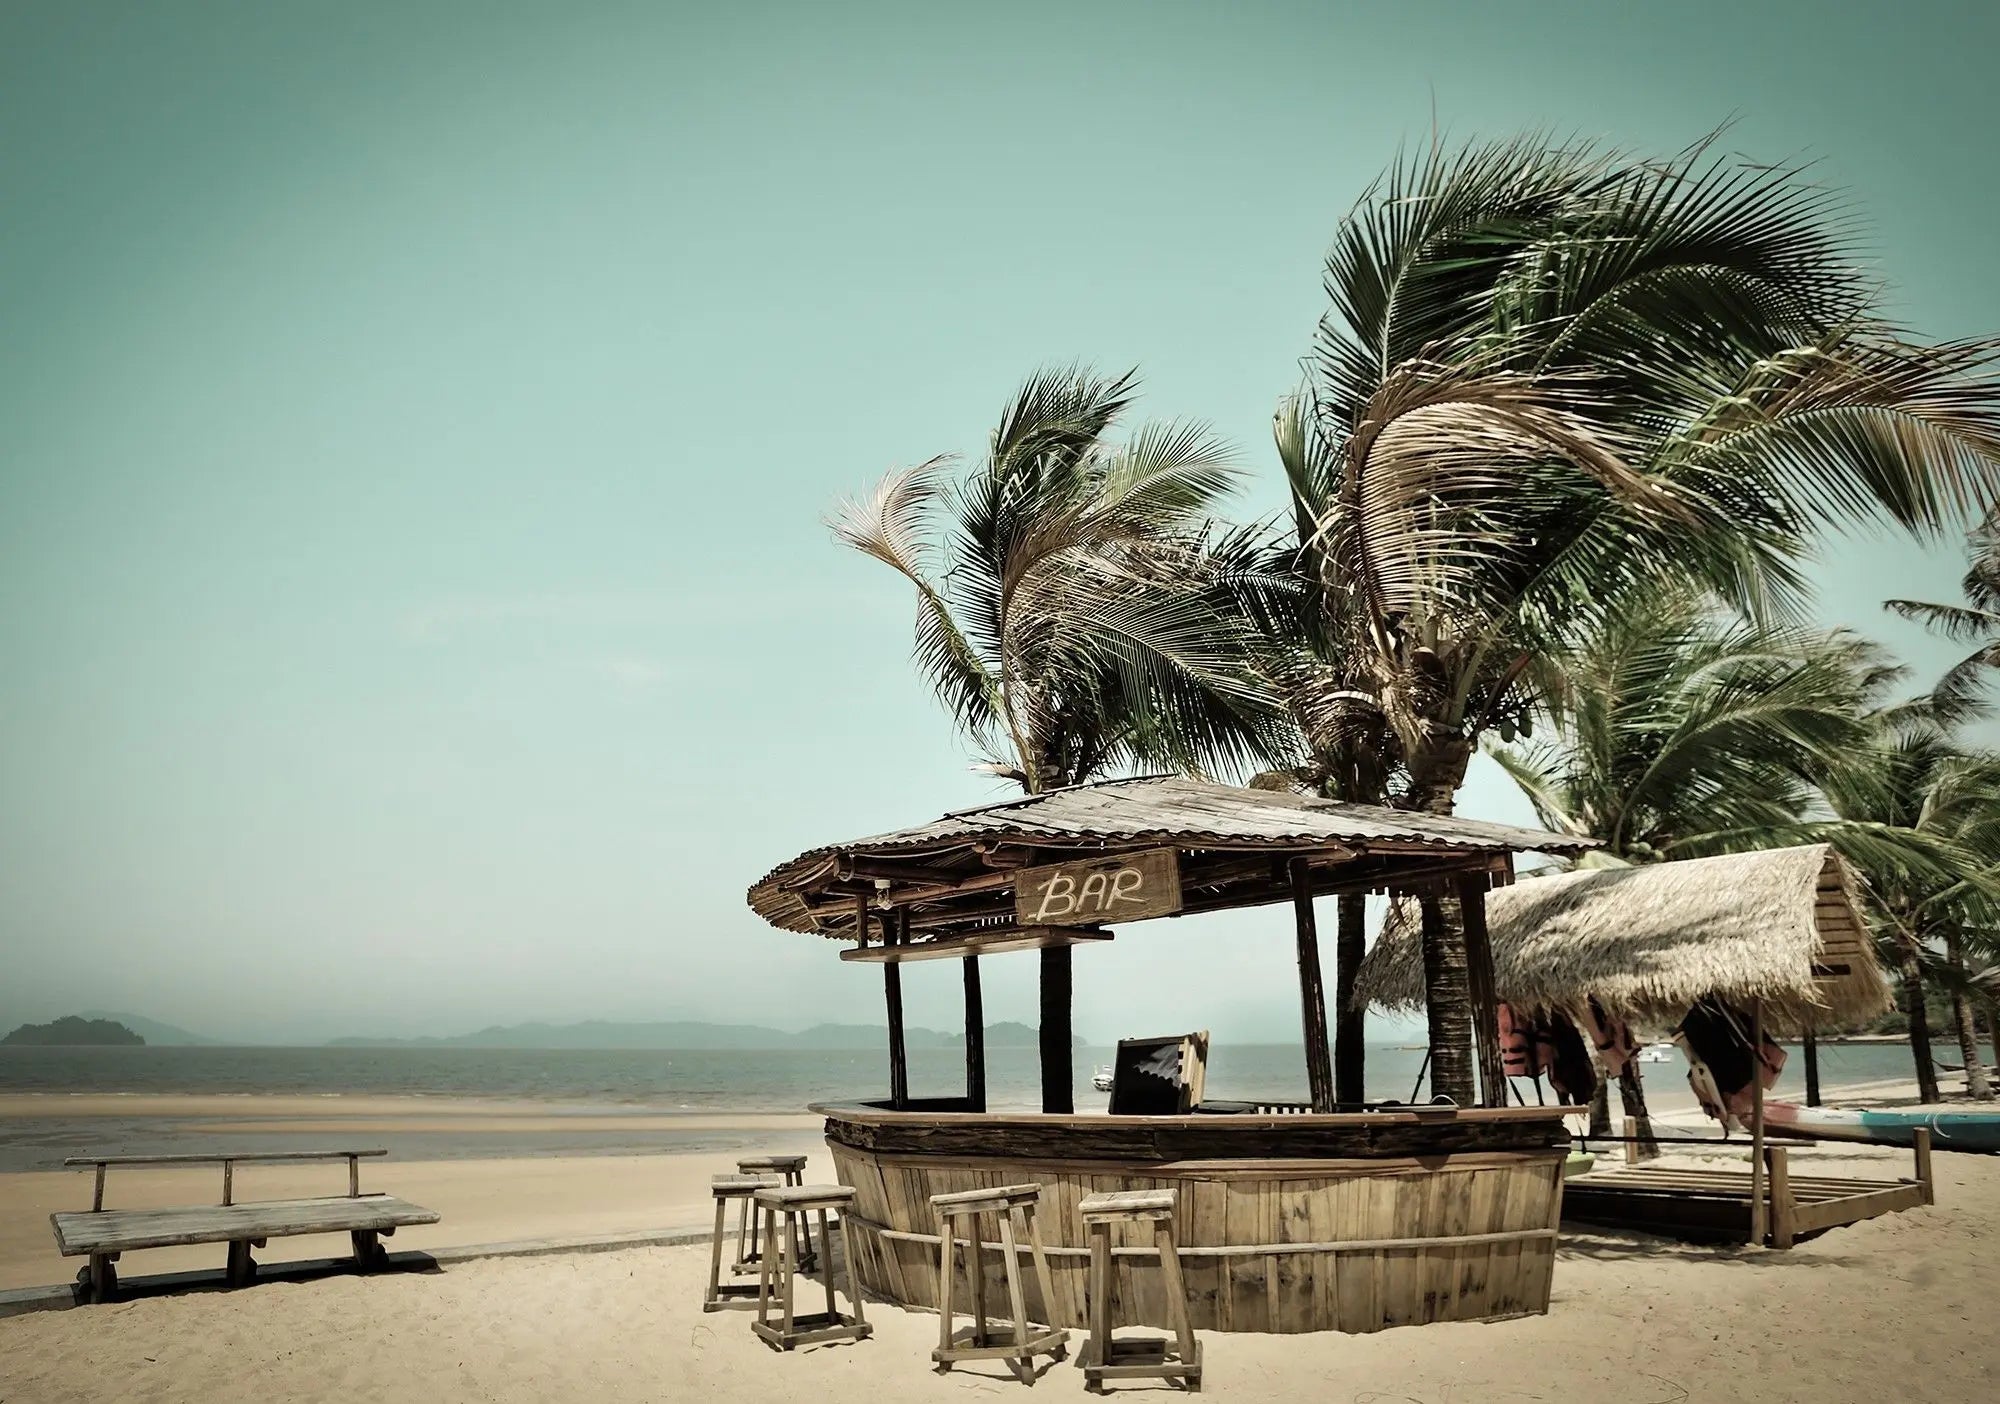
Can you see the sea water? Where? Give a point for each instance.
(570, 1084)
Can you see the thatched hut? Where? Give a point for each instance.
(1779, 927)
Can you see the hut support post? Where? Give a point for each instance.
(1312, 990)
(1350, 947)
(975, 1039)
(1058, 1078)
(1759, 1219)
(1479, 978)
(892, 995)
(1812, 1066)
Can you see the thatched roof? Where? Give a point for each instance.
(1781, 925)
(1222, 824)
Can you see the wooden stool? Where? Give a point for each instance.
(1148, 1358)
(1012, 1205)
(794, 1205)
(721, 1296)
(790, 1170)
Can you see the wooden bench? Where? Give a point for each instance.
(103, 1234)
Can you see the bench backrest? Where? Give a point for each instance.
(228, 1161)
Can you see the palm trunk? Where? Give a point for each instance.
(1447, 1005)
(1600, 1111)
(1435, 775)
(1350, 944)
(1638, 1121)
(1968, 1032)
(1920, 1024)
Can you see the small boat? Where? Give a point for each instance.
(1951, 1127)
(1657, 1053)
(1101, 1080)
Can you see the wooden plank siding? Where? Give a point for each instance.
(1264, 1245)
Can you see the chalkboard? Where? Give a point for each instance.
(1159, 1076)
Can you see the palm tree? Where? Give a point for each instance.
(1555, 380)
(1077, 614)
(1677, 722)
(1915, 778)
(1684, 731)
(1978, 619)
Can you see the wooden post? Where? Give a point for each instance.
(1312, 990)
(1921, 1140)
(1479, 979)
(1058, 1079)
(892, 996)
(1758, 1218)
(97, 1195)
(975, 1038)
(1782, 1206)
(353, 1177)
(229, 1182)
(1812, 1066)
(1350, 945)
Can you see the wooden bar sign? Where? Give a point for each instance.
(1129, 887)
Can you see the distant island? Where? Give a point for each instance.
(73, 1031)
(694, 1036)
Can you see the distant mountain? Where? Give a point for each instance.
(694, 1036)
(156, 1034)
(73, 1031)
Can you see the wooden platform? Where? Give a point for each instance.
(1714, 1206)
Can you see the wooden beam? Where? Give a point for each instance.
(995, 941)
(871, 868)
(1058, 1077)
(1759, 1219)
(1312, 991)
(975, 1038)
(1783, 1207)
(892, 990)
(1350, 1052)
(1812, 1066)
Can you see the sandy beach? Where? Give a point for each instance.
(1897, 1307)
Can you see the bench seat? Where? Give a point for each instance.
(107, 1231)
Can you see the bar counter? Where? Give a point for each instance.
(1287, 1222)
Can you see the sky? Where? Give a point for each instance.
(416, 422)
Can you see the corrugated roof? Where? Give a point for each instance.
(1156, 811)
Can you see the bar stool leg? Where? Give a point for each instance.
(1170, 1273)
(975, 1268)
(1098, 1350)
(1015, 1299)
(782, 1234)
(853, 1285)
(1044, 1280)
(744, 1214)
(825, 1260)
(947, 1270)
(715, 1252)
(763, 1269)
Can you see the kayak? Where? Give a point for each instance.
(1951, 1127)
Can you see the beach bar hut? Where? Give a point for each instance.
(1292, 1216)
(1778, 933)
